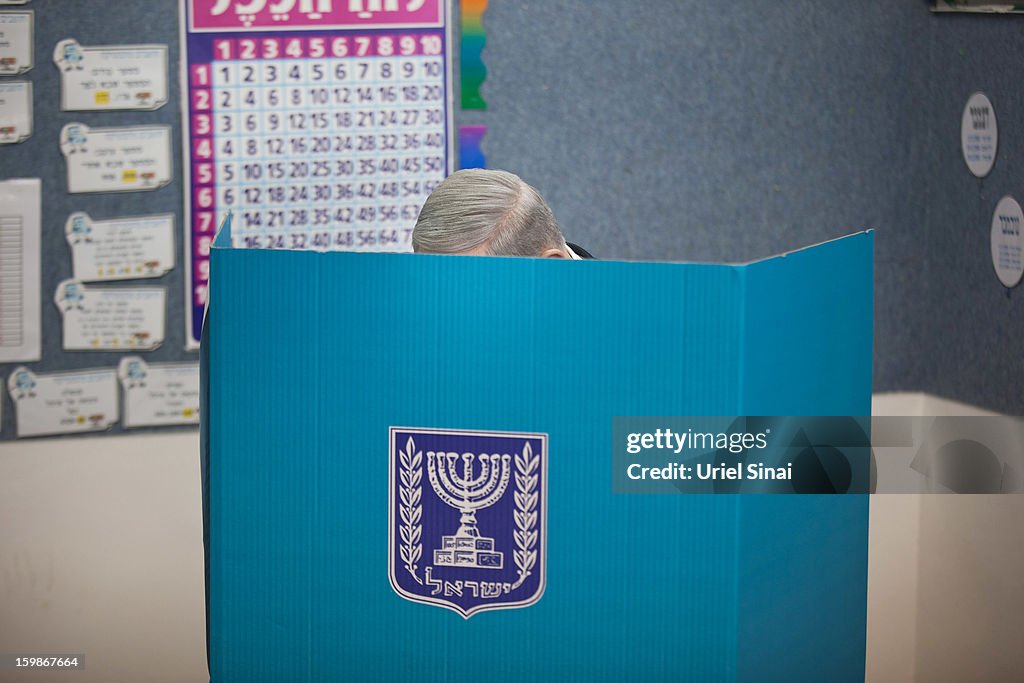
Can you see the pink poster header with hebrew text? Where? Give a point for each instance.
(293, 15)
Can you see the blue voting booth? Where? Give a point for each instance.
(349, 537)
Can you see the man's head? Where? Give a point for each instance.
(487, 213)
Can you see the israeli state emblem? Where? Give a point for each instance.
(468, 518)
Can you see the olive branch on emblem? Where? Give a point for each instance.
(411, 509)
(525, 514)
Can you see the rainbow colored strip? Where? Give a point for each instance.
(472, 64)
(470, 153)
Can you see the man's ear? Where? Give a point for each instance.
(554, 252)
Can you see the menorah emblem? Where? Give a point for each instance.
(467, 494)
(493, 483)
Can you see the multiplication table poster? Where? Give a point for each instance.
(322, 124)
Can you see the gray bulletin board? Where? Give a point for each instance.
(93, 22)
(687, 130)
(697, 130)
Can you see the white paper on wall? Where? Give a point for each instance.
(979, 135)
(15, 111)
(111, 77)
(20, 210)
(111, 318)
(16, 42)
(1007, 242)
(159, 394)
(120, 248)
(63, 403)
(116, 159)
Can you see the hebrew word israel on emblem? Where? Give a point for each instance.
(468, 518)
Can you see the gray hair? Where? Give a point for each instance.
(492, 210)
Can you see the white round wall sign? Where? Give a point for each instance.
(979, 135)
(1008, 241)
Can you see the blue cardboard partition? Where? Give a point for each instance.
(333, 379)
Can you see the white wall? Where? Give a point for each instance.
(945, 577)
(101, 553)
